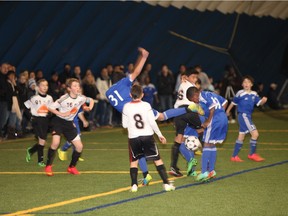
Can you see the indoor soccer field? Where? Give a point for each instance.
(248, 188)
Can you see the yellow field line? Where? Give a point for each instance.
(80, 199)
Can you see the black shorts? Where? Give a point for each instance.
(143, 146)
(40, 126)
(62, 126)
(190, 119)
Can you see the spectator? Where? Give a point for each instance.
(273, 102)
(165, 86)
(150, 92)
(54, 84)
(205, 82)
(3, 98)
(66, 74)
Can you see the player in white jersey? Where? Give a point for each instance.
(65, 109)
(139, 119)
(245, 100)
(38, 106)
(190, 118)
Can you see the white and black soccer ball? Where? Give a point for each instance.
(192, 143)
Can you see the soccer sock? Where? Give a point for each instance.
(205, 159)
(186, 153)
(40, 152)
(75, 157)
(143, 166)
(173, 113)
(33, 149)
(66, 146)
(175, 154)
(253, 144)
(133, 175)
(212, 158)
(50, 157)
(162, 172)
(237, 147)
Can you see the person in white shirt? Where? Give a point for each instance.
(65, 109)
(139, 119)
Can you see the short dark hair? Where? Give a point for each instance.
(190, 71)
(136, 91)
(191, 91)
(249, 78)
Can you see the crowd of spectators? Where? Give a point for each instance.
(16, 89)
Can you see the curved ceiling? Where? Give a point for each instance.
(275, 9)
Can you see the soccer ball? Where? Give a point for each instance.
(192, 143)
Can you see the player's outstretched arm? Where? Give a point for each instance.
(143, 55)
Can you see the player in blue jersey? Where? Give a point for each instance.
(119, 94)
(245, 100)
(215, 127)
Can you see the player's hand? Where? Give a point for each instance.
(205, 124)
(163, 140)
(228, 114)
(143, 52)
(85, 124)
(263, 100)
(65, 114)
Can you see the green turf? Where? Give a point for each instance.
(258, 192)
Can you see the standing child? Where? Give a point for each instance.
(68, 106)
(38, 105)
(138, 117)
(215, 128)
(245, 100)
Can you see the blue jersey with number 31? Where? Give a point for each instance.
(119, 93)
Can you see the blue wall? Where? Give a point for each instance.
(48, 34)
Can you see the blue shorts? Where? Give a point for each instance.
(217, 129)
(245, 123)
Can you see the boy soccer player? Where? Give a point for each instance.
(139, 119)
(245, 100)
(68, 106)
(190, 118)
(38, 105)
(215, 128)
(119, 94)
(62, 152)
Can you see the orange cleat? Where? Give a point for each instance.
(255, 157)
(48, 170)
(236, 159)
(73, 170)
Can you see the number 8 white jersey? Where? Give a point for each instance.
(139, 119)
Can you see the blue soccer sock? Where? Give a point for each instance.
(186, 153)
(205, 159)
(237, 147)
(173, 113)
(143, 165)
(253, 144)
(66, 146)
(212, 158)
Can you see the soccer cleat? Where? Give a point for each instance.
(28, 155)
(62, 155)
(169, 187)
(48, 170)
(191, 164)
(147, 180)
(81, 159)
(255, 157)
(73, 170)
(198, 152)
(212, 174)
(134, 188)
(194, 173)
(41, 164)
(175, 172)
(203, 176)
(236, 159)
